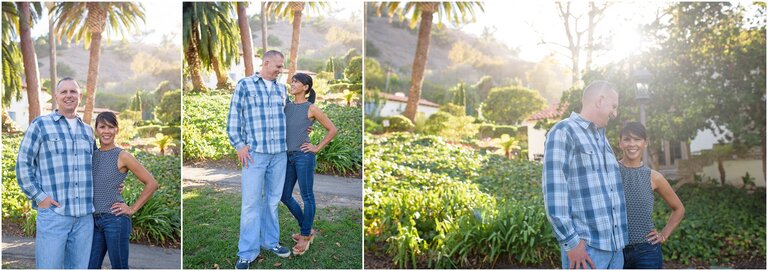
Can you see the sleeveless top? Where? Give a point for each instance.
(106, 179)
(296, 123)
(638, 193)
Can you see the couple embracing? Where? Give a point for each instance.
(75, 186)
(601, 209)
(271, 136)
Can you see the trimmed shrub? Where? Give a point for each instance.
(398, 123)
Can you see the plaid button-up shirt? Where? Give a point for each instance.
(256, 116)
(583, 191)
(55, 161)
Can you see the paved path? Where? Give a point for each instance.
(329, 190)
(19, 253)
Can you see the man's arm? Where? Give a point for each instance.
(557, 151)
(26, 163)
(235, 118)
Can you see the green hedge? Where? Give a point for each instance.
(433, 204)
(148, 130)
(205, 136)
(158, 222)
(495, 131)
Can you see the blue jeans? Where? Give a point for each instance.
(601, 258)
(643, 256)
(111, 234)
(262, 186)
(301, 168)
(62, 242)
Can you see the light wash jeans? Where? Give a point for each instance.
(262, 186)
(62, 242)
(602, 259)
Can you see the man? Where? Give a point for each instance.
(53, 169)
(583, 192)
(256, 129)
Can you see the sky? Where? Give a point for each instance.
(341, 9)
(523, 24)
(161, 18)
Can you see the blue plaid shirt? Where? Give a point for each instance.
(256, 116)
(55, 162)
(583, 192)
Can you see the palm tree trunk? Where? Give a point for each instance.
(245, 38)
(93, 75)
(221, 76)
(52, 44)
(419, 64)
(30, 60)
(295, 43)
(264, 43)
(194, 62)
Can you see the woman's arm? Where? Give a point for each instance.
(317, 114)
(127, 161)
(661, 186)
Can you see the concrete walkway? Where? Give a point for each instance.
(329, 190)
(19, 253)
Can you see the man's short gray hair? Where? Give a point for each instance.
(271, 54)
(67, 79)
(596, 88)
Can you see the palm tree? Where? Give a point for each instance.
(210, 40)
(508, 143)
(293, 11)
(52, 45)
(87, 21)
(32, 77)
(12, 59)
(245, 37)
(264, 12)
(455, 12)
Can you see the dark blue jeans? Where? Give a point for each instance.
(643, 256)
(301, 169)
(111, 234)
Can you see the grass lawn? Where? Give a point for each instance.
(212, 228)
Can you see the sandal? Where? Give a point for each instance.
(296, 236)
(308, 240)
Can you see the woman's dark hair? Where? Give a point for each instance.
(307, 81)
(634, 128)
(106, 117)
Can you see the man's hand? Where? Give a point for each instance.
(579, 258)
(47, 202)
(244, 156)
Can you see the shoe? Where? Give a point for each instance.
(242, 263)
(280, 251)
(296, 236)
(307, 240)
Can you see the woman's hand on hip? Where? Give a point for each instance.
(120, 208)
(308, 147)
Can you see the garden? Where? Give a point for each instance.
(432, 203)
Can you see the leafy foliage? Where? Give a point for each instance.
(512, 105)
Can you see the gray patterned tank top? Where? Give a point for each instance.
(106, 179)
(296, 123)
(638, 193)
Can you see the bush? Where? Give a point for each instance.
(371, 126)
(149, 130)
(495, 131)
(172, 131)
(343, 155)
(398, 123)
(437, 122)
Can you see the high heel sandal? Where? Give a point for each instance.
(308, 240)
(296, 236)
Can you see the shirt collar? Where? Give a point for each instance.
(585, 124)
(57, 116)
(258, 77)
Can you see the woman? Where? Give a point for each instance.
(644, 248)
(300, 114)
(112, 219)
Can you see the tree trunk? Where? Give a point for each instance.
(721, 169)
(295, 35)
(52, 43)
(419, 64)
(193, 60)
(245, 38)
(264, 43)
(221, 76)
(30, 60)
(96, 23)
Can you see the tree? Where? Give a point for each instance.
(12, 58)
(354, 70)
(423, 12)
(210, 40)
(293, 12)
(169, 109)
(512, 105)
(52, 48)
(245, 37)
(263, 14)
(547, 77)
(136, 102)
(26, 19)
(508, 143)
(87, 21)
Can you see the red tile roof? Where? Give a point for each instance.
(553, 111)
(403, 99)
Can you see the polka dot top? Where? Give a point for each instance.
(638, 193)
(106, 179)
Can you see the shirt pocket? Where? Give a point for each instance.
(84, 145)
(54, 143)
(587, 158)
